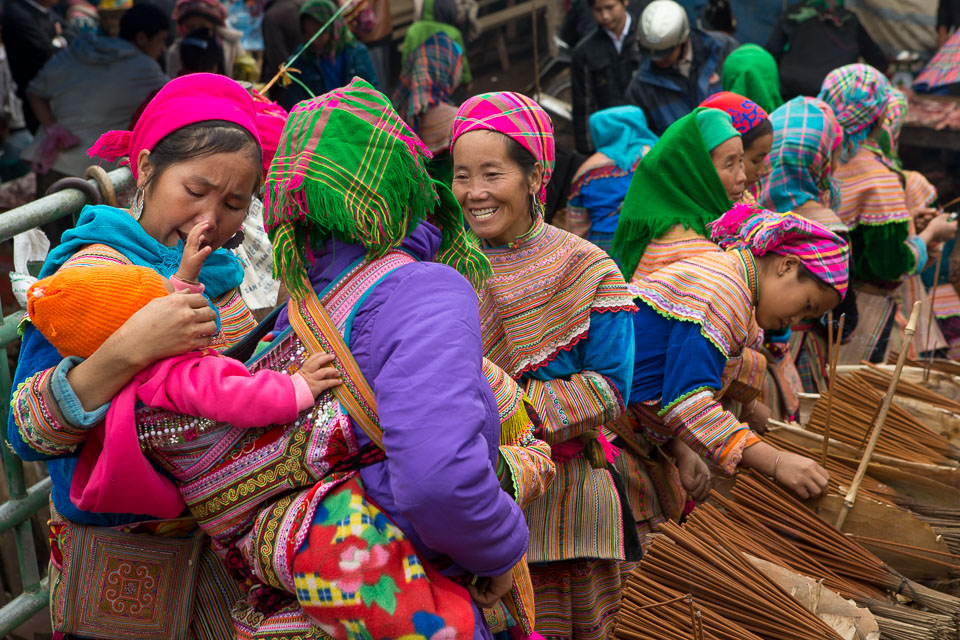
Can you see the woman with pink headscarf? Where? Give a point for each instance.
(556, 316)
(196, 157)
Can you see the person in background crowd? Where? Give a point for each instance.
(622, 139)
(578, 21)
(81, 16)
(281, 36)
(681, 66)
(453, 17)
(376, 36)
(603, 64)
(814, 37)
(332, 60)
(753, 124)
(201, 53)
(751, 72)
(204, 14)
(14, 135)
(873, 205)
(94, 85)
(948, 19)
(32, 33)
(423, 98)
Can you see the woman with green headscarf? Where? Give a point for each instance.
(750, 71)
(332, 59)
(692, 176)
(447, 16)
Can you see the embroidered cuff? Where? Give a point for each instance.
(68, 402)
(919, 249)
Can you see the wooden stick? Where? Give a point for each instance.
(834, 355)
(536, 52)
(931, 317)
(851, 497)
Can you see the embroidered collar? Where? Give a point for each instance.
(749, 262)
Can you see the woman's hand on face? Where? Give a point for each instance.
(803, 476)
(487, 591)
(168, 326)
(195, 251)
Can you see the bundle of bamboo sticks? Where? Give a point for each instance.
(771, 505)
(652, 611)
(855, 405)
(879, 378)
(719, 577)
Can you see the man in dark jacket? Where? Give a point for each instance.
(812, 39)
(31, 35)
(602, 65)
(681, 67)
(281, 34)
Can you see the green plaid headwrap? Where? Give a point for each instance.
(348, 166)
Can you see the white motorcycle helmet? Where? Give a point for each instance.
(663, 27)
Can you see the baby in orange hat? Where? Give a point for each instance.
(78, 308)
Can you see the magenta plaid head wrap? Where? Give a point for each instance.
(820, 250)
(858, 95)
(515, 116)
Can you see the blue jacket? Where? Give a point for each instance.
(666, 96)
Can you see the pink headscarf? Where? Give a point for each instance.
(270, 120)
(820, 250)
(183, 101)
(515, 116)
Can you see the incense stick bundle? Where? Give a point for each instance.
(724, 581)
(652, 611)
(879, 378)
(782, 513)
(854, 408)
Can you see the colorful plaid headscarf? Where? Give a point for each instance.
(943, 69)
(348, 166)
(752, 72)
(805, 135)
(744, 113)
(889, 135)
(515, 116)
(820, 250)
(429, 76)
(858, 95)
(323, 10)
(212, 9)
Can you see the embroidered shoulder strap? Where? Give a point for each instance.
(320, 333)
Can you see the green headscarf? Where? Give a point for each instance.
(348, 166)
(323, 10)
(750, 71)
(716, 127)
(675, 183)
(817, 9)
(431, 23)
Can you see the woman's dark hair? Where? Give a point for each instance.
(202, 139)
(143, 18)
(764, 128)
(523, 158)
(200, 51)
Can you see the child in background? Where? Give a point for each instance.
(201, 53)
(71, 311)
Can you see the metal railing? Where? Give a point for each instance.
(24, 502)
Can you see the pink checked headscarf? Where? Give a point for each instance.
(515, 116)
(181, 102)
(820, 250)
(271, 118)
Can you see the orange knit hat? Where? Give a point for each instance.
(78, 308)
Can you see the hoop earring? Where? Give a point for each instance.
(137, 207)
(235, 240)
(534, 206)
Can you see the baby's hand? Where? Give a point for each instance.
(320, 377)
(194, 253)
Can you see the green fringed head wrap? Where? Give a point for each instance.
(348, 166)
(750, 71)
(675, 183)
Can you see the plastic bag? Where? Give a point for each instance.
(28, 247)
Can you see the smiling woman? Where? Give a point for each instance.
(556, 317)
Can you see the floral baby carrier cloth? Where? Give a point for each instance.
(286, 509)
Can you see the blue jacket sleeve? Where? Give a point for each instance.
(608, 349)
(440, 430)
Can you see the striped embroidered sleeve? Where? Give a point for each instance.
(744, 375)
(572, 407)
(40, 427)
(700, 421)
(529, 468)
